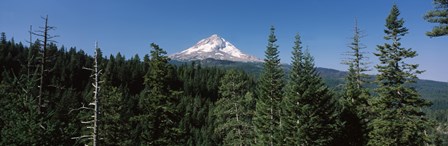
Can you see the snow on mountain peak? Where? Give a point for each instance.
(214, 47)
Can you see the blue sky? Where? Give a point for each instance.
(325, 26)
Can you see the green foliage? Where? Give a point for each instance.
(440, 131)
(196, 125)
(270, 86)
(20, 124)
(234, 110)
(291, 111)
(200, 87)
(196, 80)
(114, 126)
(399, 119)
(159, 117)
(313, 109)
(438, 15)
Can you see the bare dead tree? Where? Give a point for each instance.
(47, 38)
(93, 124)
(31, 67)
(357, 59)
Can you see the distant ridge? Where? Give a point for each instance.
(428, 89)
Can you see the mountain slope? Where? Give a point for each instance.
(428, 89)
(213, 47)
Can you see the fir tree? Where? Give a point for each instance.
(20, 124)
(267, 115)
(440, 16)
(158, 117)
(293, 92)
(399, 119)
(310, 110)
(355, 98)
(233, 111)
(114, 126)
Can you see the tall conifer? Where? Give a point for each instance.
(398, 109)
(267, 115)
(310, 112)
(291, 110)
(318, 110)
(158, 117)
(233, 111)
(355, 96)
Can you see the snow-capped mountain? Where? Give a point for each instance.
(214, 47)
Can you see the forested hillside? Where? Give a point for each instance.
(432, 90)
(69, 88)
(52, 95)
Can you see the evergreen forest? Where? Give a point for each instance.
(53, 95)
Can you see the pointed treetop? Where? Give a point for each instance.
(297, 49)
(272, 37)
(392, 23)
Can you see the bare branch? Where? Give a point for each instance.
(81, 108)
(87, 122)
(85, 68)
(81, 137)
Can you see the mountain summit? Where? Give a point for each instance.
(214, 47)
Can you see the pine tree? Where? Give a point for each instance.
(355, 98)
(233, 111)
(20, 124)
(440, 16)
(267, 115)
(399, 119)
(114, 127)
(157, 104)
(291, 110)
(310, 111)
